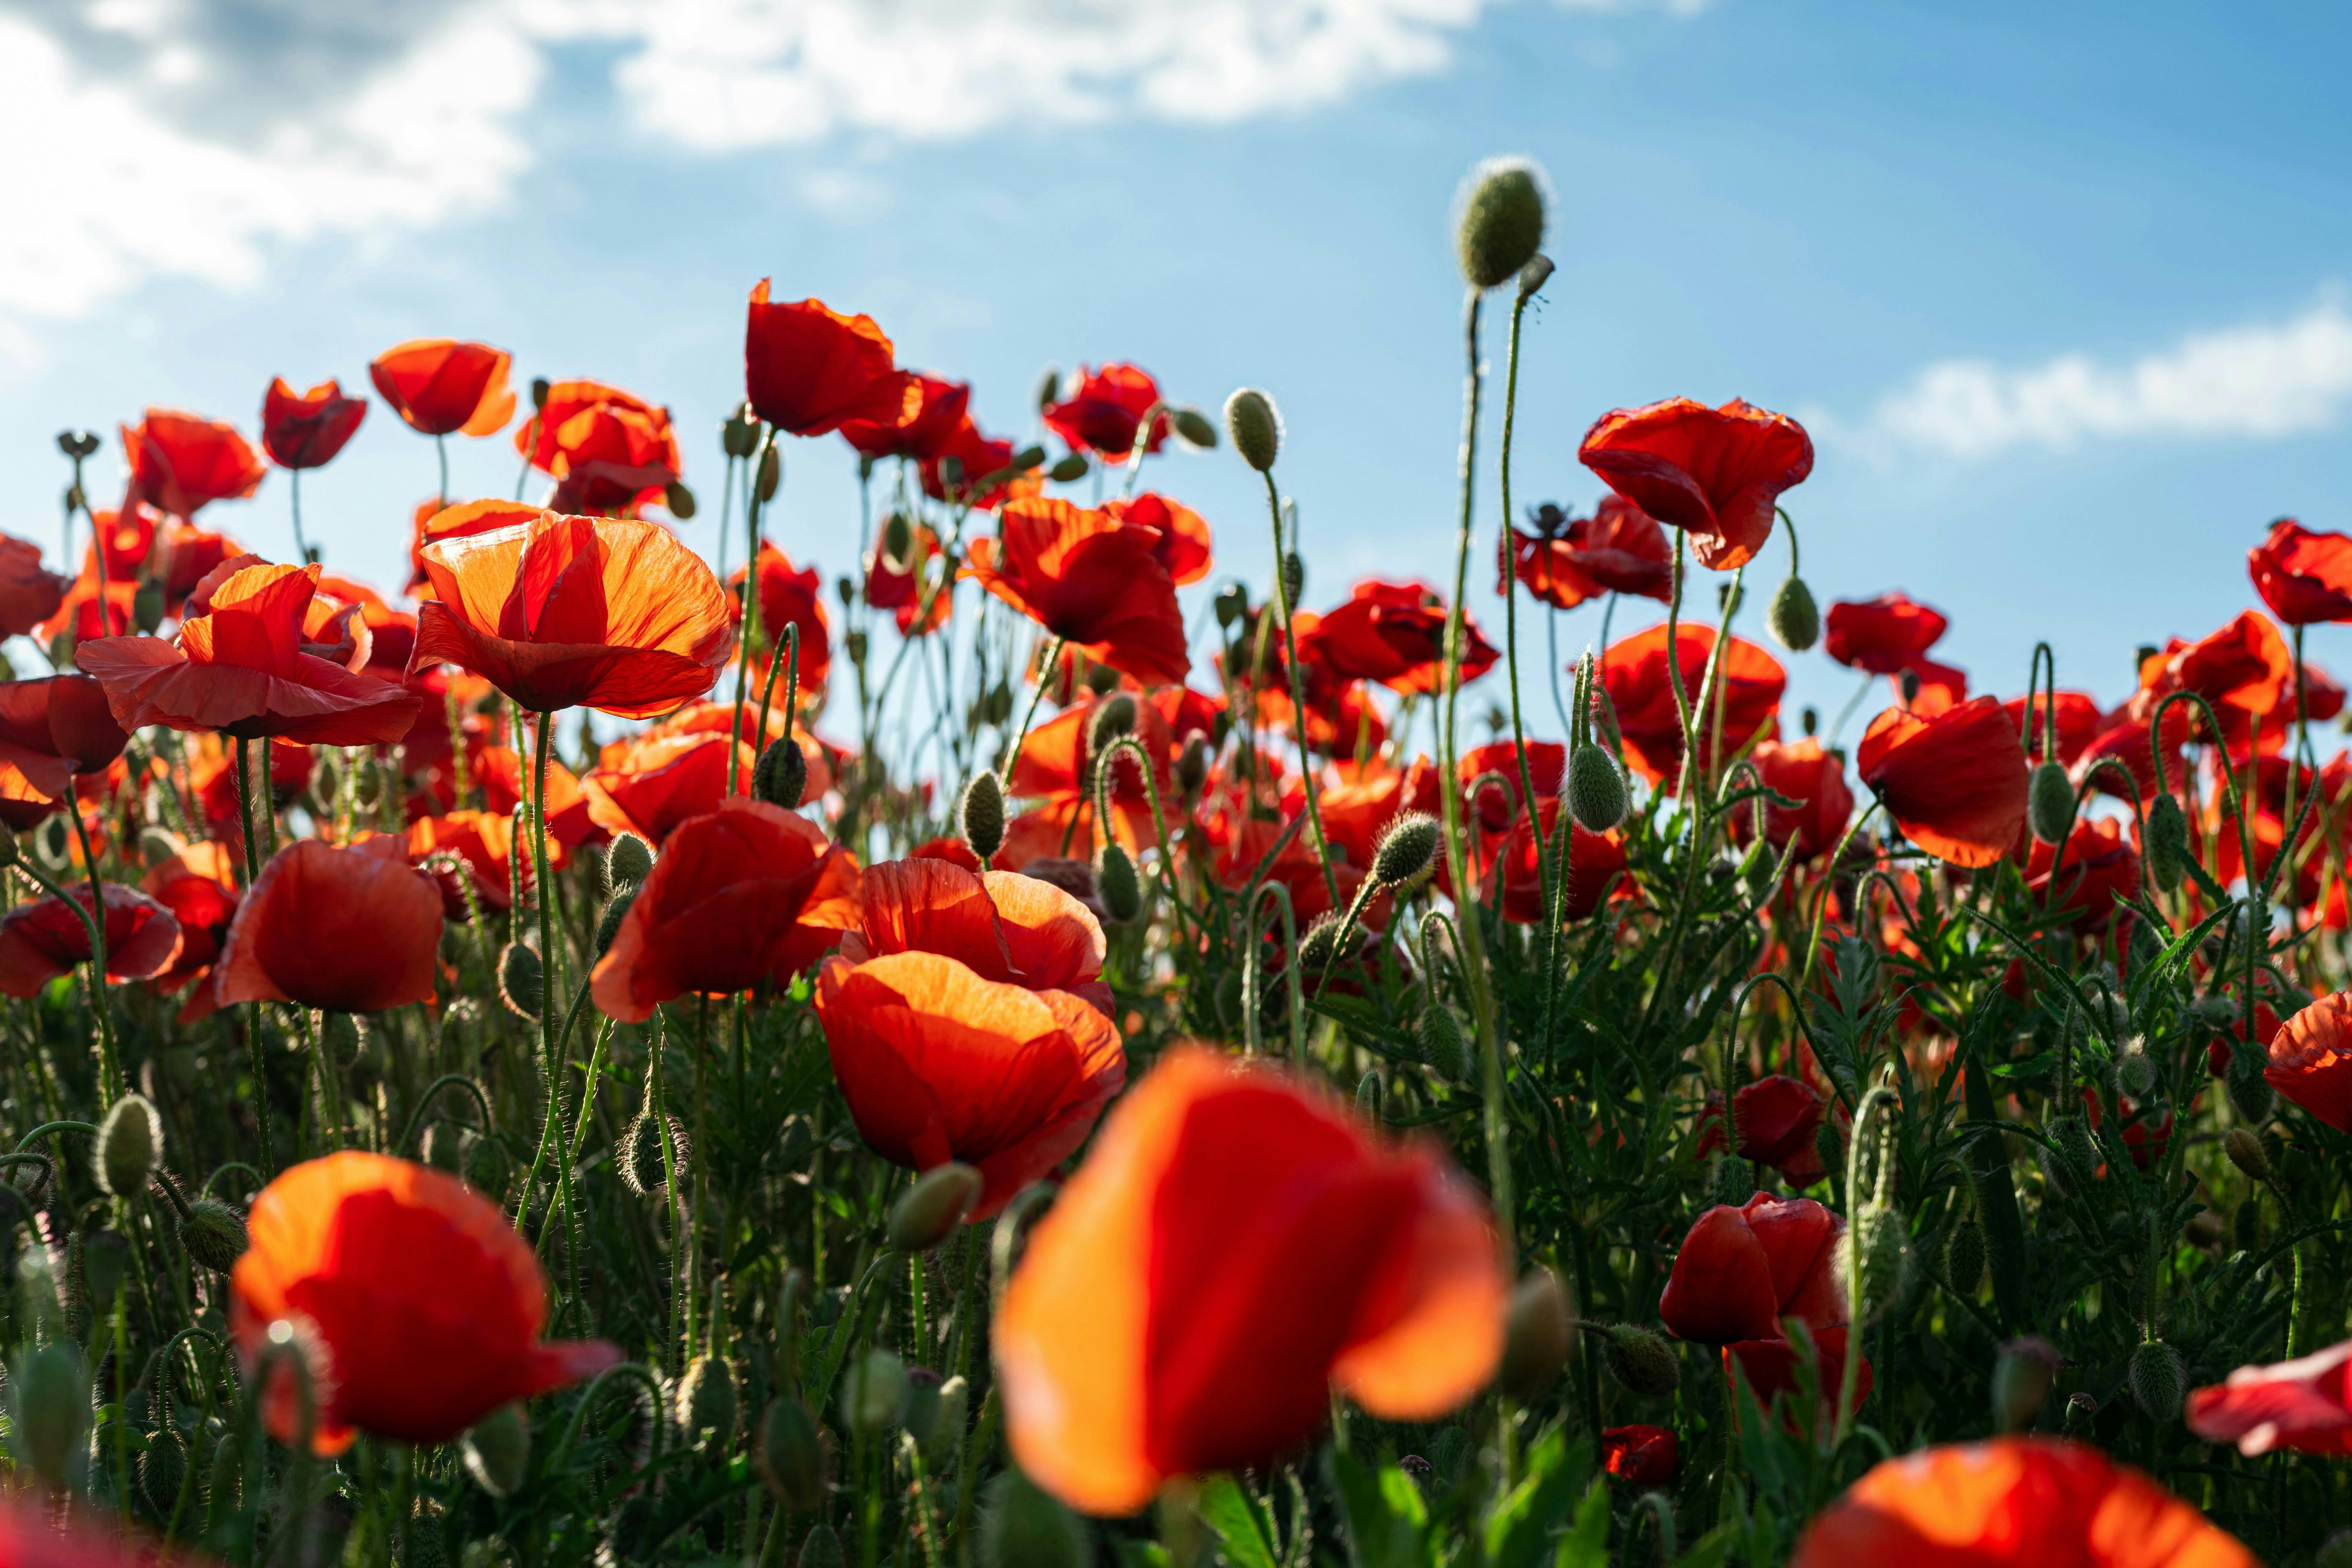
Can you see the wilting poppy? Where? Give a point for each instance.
(1004, 927)
(1814, 777)
(1089, 579)
(1634, 674)
(976, 472)
(1237, 1245)
(1645, 1456)
(443, 387)
(1183, 548)
(415, 1304)
(899, 587)
(1741, 1270)
(1714, 473)
(1779, 1116)
(608, 450)
(1359, 810)
(926, 427)
(1393, 633)
(1620, 548)
(1955, 784)
(660, 781)
(180, 461)
(44, 939)
(198, 886)
(745, 895)
(560, 611)
(2011, 1502)
(336, 928)
(1104, 411)
(243, 669)
(2100, 868)
(51, 730)
(795, 598)
(809, 370)
(2080, 722)
(2303, 575)
(2311, 1060)
(2304, 1404)
(29, 591)
(304, 430)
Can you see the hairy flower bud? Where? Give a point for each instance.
(522, 981)
(1733, 1184)
(1024, 1526)
(629, 861)
(497, 1449)
(2158, 1380)
(2136, 1072)
(791, 1455)
(48, 1413)
(1641, 1361)
(161, 1468)
(1964, 1257)
(2168, 843)
(541, 389)
(1442, 1042)
(1405, 850)
(954, 1406)
(639, 1156)
(1294, 578)
(1193, 428)
(2250, 1093)
(979, 814)
(1596, 790)
(706, 1400)
(213, 1234)
(1113, 717)
(1793, 619)
(874, 1396)
(2051, 803)
(2020, 1381)
(1535, 275)
(1501, 226)
(1254, 427)
(2079, 1409)
(608, 924)
(2246, 1153)
(927, 1213)
(781, 775)
(1117, 884)
(1318, 948)
(130, 1146)
(1067, 468)
(1538, 1336)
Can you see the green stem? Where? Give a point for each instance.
(1283, 606)
(750, 604)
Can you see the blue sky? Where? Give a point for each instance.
(2059, 290)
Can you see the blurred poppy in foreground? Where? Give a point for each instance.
(1640, 687)
(1884, 636)
(29, 591)
(51, 730)
(1235, 1245)
(180, 461)
(443, 387)
(1089, 579)
(809, 370)
(304, 430)
(1103, 412)
(2304, 1404)
(1620, 548)
(340, 930)
(2303, 575)
(2009, 1503)
(414, 1305)
(1956, 783)
(1394, 633)
(1643, 1456)
(1000, 925)
(1714, 473)
(1741, 1270)
(1183, 548)
(2311, 1060)
(608, 450)
(790, 598)
(46, 938)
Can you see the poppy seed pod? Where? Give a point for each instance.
(678, 499)
(791, 1455)
(2246, 1153)
(628, 862)
(497, 1449)
(1538, 1336)
(640, 1153)
(608, 924)
(927, 1213)
(1255, 426)
(2051, 803)
(1024, 1526)
(1116, 883)
(1793, 619)
(1502, 222)
(2167, 842)
(48, 1411)
(130, 1146)
(874, 1397)
(980, 816)
(2158, 1380)
(213, 1234)
(706, 1400)
(522, 981)
(2021, 1377)
(1193, 428)
(1964, 1257)
(1641, 1361)
(1068, 468)
(781, 775)
(1596, 790)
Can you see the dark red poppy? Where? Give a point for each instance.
(809, 370)
(1884, 636)
(1643, 1456)
(608, 450)
(180, 461)
(2101, 867)
(304, 430)
(1714, 473)
(1955, 784)
(1089, 579)
(2080, 722)
(1814, 777)
(342, 930)
(46, 938)
(2303, 576)
(790, 596)
(198, 886)
(1105, 410)
(1359, 810)
(2311, 1060)
(414, 1302)
(1004, 927)
(925, 428)
(443, 387)
(1620, 548)
(1498, 806)
(562, 612)
(29, 591)
(898, 587)
(2304, 1404)
(1779, 1116)
(1741, 1270)
(1634, 673)
(1183, 548)
(661, 781)
(51, 730)
(1393, 633)
(1237, 1245)
(976, 472)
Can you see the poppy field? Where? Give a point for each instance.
(638, 1046)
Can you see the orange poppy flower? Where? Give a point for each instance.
(198, 886)
(896, 587)
(1004, 927)
(44, 939)
(1714, 473)
(2080, 722)
(1814, 777)
(416, 1304)
(2014, 1502)
(1633, 672)
(1058, 763)
(2311, 1060)
(443, 387)
(180, 461)
(562, 612)
(1956, 783)
(1105, 409)
(2303, 576)
(481, 845)
(926, 427)
(662, 781)
(1091, 580)
(2304, 1404)
(2246, 664)
(342, 930)
(1237, 1245)
(1620, 548)
(608, 450)
(809, 370)
(242, 669)
(1884, 636)
(1393, 633)
(794, 598)
(1183, 548)
(306, 430)
(50, 731)
(745, 895)
(29, 591)
(983, 477)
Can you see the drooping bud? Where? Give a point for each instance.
(2168, 843)
(1793, 619)
(1538, 1336)
(2251, 1094)
(2079, 1409)
(874, 1398)
(497, 1449)
(1318, 948)
(980, 816)
(147, 606)
(2073, 1136)
(629, 861)
(2020, 1381)
(922, 1404)
(1596, 790)
(1049, 387)
(1231, 604)
(897, 542)
(130, 1146)
(608, 924)
(1964, 1257)
(1024, 1526)
(1733, 1184)
(48, 1413)
(1192, 764)
(1113, 717)
(1535, 275)
(1639, 1360)
(1501, 227)
(2246, 1153)
(2051, 803)
(791, 1455)
(160, 1470)
(2158, 1380)
(213, 1234)
(540, 390)
(678, 499)
(1193, 428)
(781, 775)
(706, 1400)
(771, 475)
(927, 1213)
(1256, 428)
(1405, 850)
(1117, 884)
(522, 981)
(735, 437)
(639, 1156)
(1068, 468)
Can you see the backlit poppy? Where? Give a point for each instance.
(559, 612)
(29, 591)
(2303, 575)
(2100, 868)
(660, 781)
(1058, 763)
(1741, 1270)
(898, 587)
(809, 370)
(1004, 927)
(476, 844)
(341, 930)
(198, 886)
(1645, 1456)
(1183, 548)
(1595, 864)
(1714, 473)
(1104, 409)
(1237, 1245)
(392, 634)
(415, 1304)
(2311, 1060)
(1359, 810)
(1884, 636)
(1813, 776)
(304, 430)
(2245, 664)
(1089, 579)
(51, 730)
(1393, 633)
(280, 767)
(1634, 674)
(243, 669)
(2014, 1502)
(1934, 688)
(44, 939)
(442, 387)
(1498, 805)
(926, 428)
(2080, 722)
(2304, 1404)
(180, 461)
(975, 470)
(1779, 1116)
(608, 450)
(1956, 783)
(1620, 548)
(793, 597)
(745, 895)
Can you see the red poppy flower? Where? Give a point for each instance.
(1633, 672)
(392, 634)
(1393, 633)
(341, 930)
(790, 598)
(1105, 409)
(926, 426)
(50, 731)
(2304, 1404)
(1357, 811)
(1183, 547)
(1620, 548)
(562, 612)
(1498, 806)
(1297, 870)
(2246, 664)
(1645, 1456)
(306, 430)
(1089, 579)
(745, 895)
(2311, 1060)
(1884, 636)
(1814, 777)
(1056, 762)
(2080, 722)
(1188, 711)
(2100, 868)
(1004, 927)
(1935, 688)
(2124, 740)
(476, 844)
(282, 768)
(242, 669)
(1741, 1270)
(1714, 473)
(663, 780)
(1779, 1116)
(2303, 576)
(413, 1299)
(198, 886)
(442, 387)
(896, 587)
(982, 477)
(1955, 784)
(2014, 1502)
(1237, 1245)
(45, 939)
(608, 450)
(809, 371)
(180, 461)
(29, 591)
(1594, 860)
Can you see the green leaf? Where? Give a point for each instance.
(1586, 1544)
(1385, 1514)
(1226, 1509)
(1522, 1519)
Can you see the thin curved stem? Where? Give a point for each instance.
(1284, 607)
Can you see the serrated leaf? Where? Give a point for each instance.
(1226, 1509)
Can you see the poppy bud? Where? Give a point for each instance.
(1810, 719)
(640, 1153)
(1794, 620)
(1733, 1184)
(147, 606)
(873, 1400)
(129, 1145)
(2052, 800)
(608, 924)
(791, 1455)
(1115, 718)
(1908, 684)
(539, 388)
(980, 816)
(1502, 221)
(1192, 764)
(706, 1399)
(1538, 1336)
(2167, 842)
(1318, 948)
(1596, 790)
(2158, 1380)
(897, 542)
(1640, 1361)
(1028, 457)
(1193, 428)
(1049, 387)
(854, 646)
(2250, 1093)
(1964, 1257)
(922, 1404)
(1231, 604)
(522, 981)
(213, 1234)
(947, 1428)
(2020, 1381)
(2079, 1409)
(2074, 1135)
(1024, 1526)
(1102, 679)
(1405, 850)
(497, 1449)
(736, 436)
(771, 475)
(161, 1469)
(1535, 275)
(105, 1265)
(782, 773)
(1294, 578)
(679, 499)
(71, 444)
(1116, 882)
(845, 591)
(1441, 1042)
(49, 1410)
(927, 1213)
(628, 862)
(2245, 1152)
(2135, 1072)
(1256, 428)
(1068, 468)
